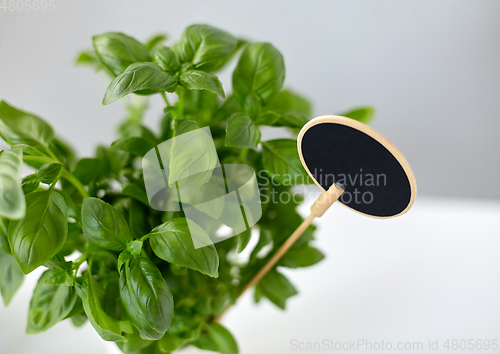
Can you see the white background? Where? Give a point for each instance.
(431, 68)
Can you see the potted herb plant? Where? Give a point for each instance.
(131, 274)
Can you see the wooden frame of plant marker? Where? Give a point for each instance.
(341, 144)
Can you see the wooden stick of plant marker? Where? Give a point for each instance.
(319, 207)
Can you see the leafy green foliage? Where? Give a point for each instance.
(12, 203)
(93, 298)
(104, 225)
(42, 232)
(241, 131)
(167, 60)
(282, 163)
(145, 286)
(200, 80)
(146, 298)
(258, 77)
(276, 287)
(171, 241)
(49, 305)
(139, 76)
(116, 51)
(362, 114)
(11, 277)
(205, 47)
(18, 127)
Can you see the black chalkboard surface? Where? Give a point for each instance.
(377, 179)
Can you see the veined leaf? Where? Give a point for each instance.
(117, 51)
(104, 225)
(206, 47)
(193, 156)
(135, 145)
(200, 80)
(42, 232)
(18, 127)
(241, 131)
(139, 76)
(281, 161)
(171, 241)
(146, 297)
(11, 277)
(135, 191)
(218, 339)
(12, 202)
(167, 60)
(94, 304)
(258, 77)
(49, 305)
(277, 288)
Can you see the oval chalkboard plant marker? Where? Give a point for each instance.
(351, 163)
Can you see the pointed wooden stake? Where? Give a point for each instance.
(319, 207)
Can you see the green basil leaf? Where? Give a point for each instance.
(137, 219)
(156, 40)
(49, 305)
(63, 151)
(42, 232)
(218, 339)
(135, 247)
(291, 119)
(268, 118)
(114, 160)
(61, 276)
(193, 156)
(94, 303)
(104, 225)
(90, 170)
(287, 100)
(229, 107)
(18, 127)
(12, 202)
(87, 58)
(4, 235)
(135, 191)
(135, 344)
(277, 288)
(117, 51)
(170, 342)
(49, 173)
(244, 239)
(135, 145)
(200, 80)
(305, 257)
(281, 161)
(30, 183)
(122, 258)
(206, 47)
(172, 242)
(167, 60)
(58, 262)
(146, 297)
(241, 131)
(361, 114)
(139, 76)
(258, 77)
(11, 277)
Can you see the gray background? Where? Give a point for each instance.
(431, 68)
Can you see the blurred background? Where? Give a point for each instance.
(430, 68)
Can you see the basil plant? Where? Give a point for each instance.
(111, 259)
